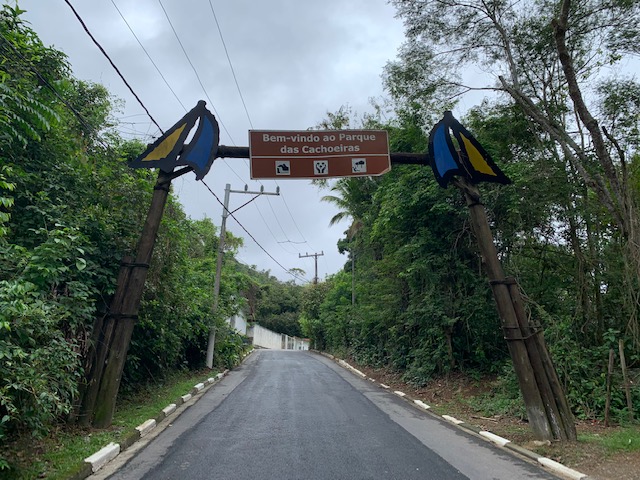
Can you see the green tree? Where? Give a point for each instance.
(546, 55)
(274, 304)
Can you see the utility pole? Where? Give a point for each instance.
(223, 233)
(315, 256)
(353, 278)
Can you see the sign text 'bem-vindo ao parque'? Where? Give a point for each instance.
(318, 153)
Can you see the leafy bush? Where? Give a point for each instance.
(39, 368)
(230, 347)
(45, 300)
(505, 397)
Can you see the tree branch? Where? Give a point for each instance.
(575, 154)
(560, 27)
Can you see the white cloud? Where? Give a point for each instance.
(294, 61)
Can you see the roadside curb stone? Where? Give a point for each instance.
(169, 409)
(102, 456)
(99, 459)
(551, 465)
(146, 427)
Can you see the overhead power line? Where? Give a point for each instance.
(184, 51)
(86, 29)
(288, 240)
(66, 103)
(233, 72)
(246, 110)
(148, 56)
(251, 236)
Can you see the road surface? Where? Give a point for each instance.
(297, 415)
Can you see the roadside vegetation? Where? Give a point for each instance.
(602, 452)
(413, 295)
(70, 209)
(412, 298)
(61, 453)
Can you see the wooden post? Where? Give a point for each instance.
(625, 379)
(558, 412)
(113, 334)
(513, 335)
(101, 339)
(607, 405)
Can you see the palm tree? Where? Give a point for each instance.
(351, 198)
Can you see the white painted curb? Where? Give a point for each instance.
(452, 419)
(354, 370)
(358, 372)
(561, 469)
(169, 409)
(552, 465)
(146, 427)
(102, 456)
(495, 438)
(111, 451)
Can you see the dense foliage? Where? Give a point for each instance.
(70, 209)
(566, 134)
(274, 304)
(413, 295)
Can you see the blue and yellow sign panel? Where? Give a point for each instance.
(466, 159)
(170, 151)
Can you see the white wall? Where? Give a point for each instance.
(239, 323)
(265, 338)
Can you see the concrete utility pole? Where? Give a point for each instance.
(315, 256)
(353, 278)
(223, 232)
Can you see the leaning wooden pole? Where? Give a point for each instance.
(114, 336)
(534, 404)
(557, 408)
(101, 339)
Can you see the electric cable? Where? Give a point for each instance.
(233, 72)
(66, 103)
(86, 29)
(148, 56)
(246, 110)
(206, 94)
(252, 237)
(195, 71)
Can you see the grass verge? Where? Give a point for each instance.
(61, 454)
(623, 439)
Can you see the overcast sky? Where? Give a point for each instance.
(294, 61)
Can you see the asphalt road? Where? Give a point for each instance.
(297, 415)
